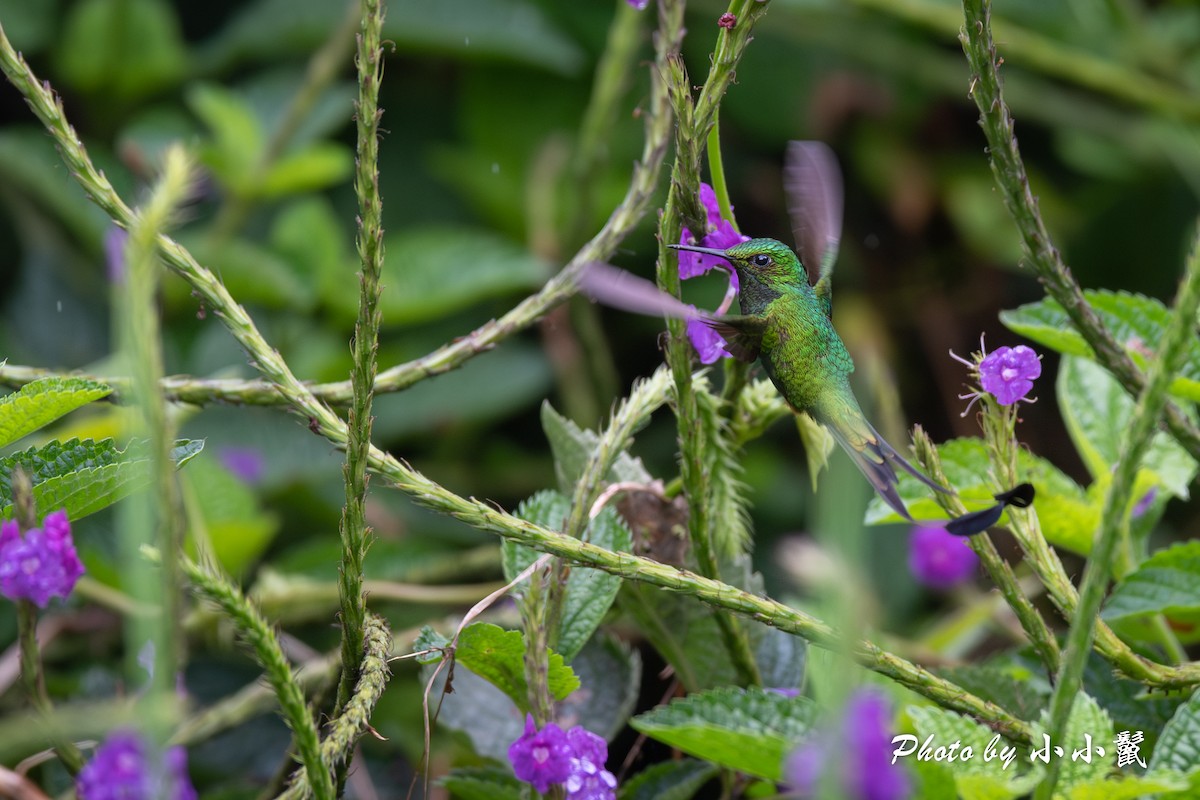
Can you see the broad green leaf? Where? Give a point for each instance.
(483, 783)
(498, 656)
(29, 26)
(432, 271)
(1135, 321)
(510, 30)
(668, 780)
(1097, 412)
(39, 403)
(1067, 515)
(748, 730)
(1008, 686)
(1178, 744)
(308, 233)
(572, 446)
(1088, 728)
(611, 671)
(237, 135)
(477, 709)
(981, 775)
(128, 50)
(236, 527)
(317, 166)
(1166, 582)
(84, 476)
(589, 592)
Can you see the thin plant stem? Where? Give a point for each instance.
(1013, 181)
(354, 531)
(1135, 441)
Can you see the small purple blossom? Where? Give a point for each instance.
(1008, 373)
(727, 21)
(709, 344)
(1144, 504)
(541, 757)
(123, 770)
(589, 780)
(114, 253)
(720, 234)
(938, 559)
(246, 463)
(861, 747)
(638, 4)
(41, 564)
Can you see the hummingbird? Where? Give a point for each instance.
(786, 323)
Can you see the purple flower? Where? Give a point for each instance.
(709, 344)
(938, 559)
(541, 757)
(123, 770)
(638, 4)
(41, 564)
(862, 748)
(1144, 504)
(727, 21)
(244, 462)
(1008, 373)
(720, 234)
(114, 253)
(589, 780)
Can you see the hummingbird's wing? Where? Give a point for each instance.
(624, 290)
(742, 334)
(812, 184)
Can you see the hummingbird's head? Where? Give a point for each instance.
(767, 261)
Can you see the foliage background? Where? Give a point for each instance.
(484, 198)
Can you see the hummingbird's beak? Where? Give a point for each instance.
(712, 251)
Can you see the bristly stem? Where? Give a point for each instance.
(1045, 259)
(354, 531)
(1001, 573)
(1135, 441)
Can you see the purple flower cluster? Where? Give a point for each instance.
(574, 758)
(720, 234)
(1007, 373)
(123, 770)
(41, 564)
(861, 748)
(938, 559)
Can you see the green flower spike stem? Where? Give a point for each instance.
(1045, 259)
(1134, 444)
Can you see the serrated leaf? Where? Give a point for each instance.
(1135, 321)
(1097, 411)
(483, 783)
(1067, 515)
(1165, 582)
(1178, 744)
(983, 775)
(1007, 687)
(748, 730)
(432, 271)
(668, 780)
(498, 656)
(1088, 727)
(612, 672)
(589, 592)
(571, 447)
(431, 643)
(40, 402)
(83, 477)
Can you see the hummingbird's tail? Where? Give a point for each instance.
(876, 459)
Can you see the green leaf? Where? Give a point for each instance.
(668, 780)
(1129, 787)
(1178, 744)
(237, 135)
(612, 672)
(1087, 720)
(433, 271)
(1008, 686)
(1067, 514)
(1135, 321)
(317, 166)
(589, 592)
(498, 656)
(129, 49)
(39, 403)
(981, 776)
(483, 783)
(238, 530)
(1097, 412)
(1166, 582)
(572, 446)
(749, 730)
(84, 476)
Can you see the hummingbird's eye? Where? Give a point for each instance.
(761, 260)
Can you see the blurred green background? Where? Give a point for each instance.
(485, 196)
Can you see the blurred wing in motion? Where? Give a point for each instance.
(812, 184)
(624, 290)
